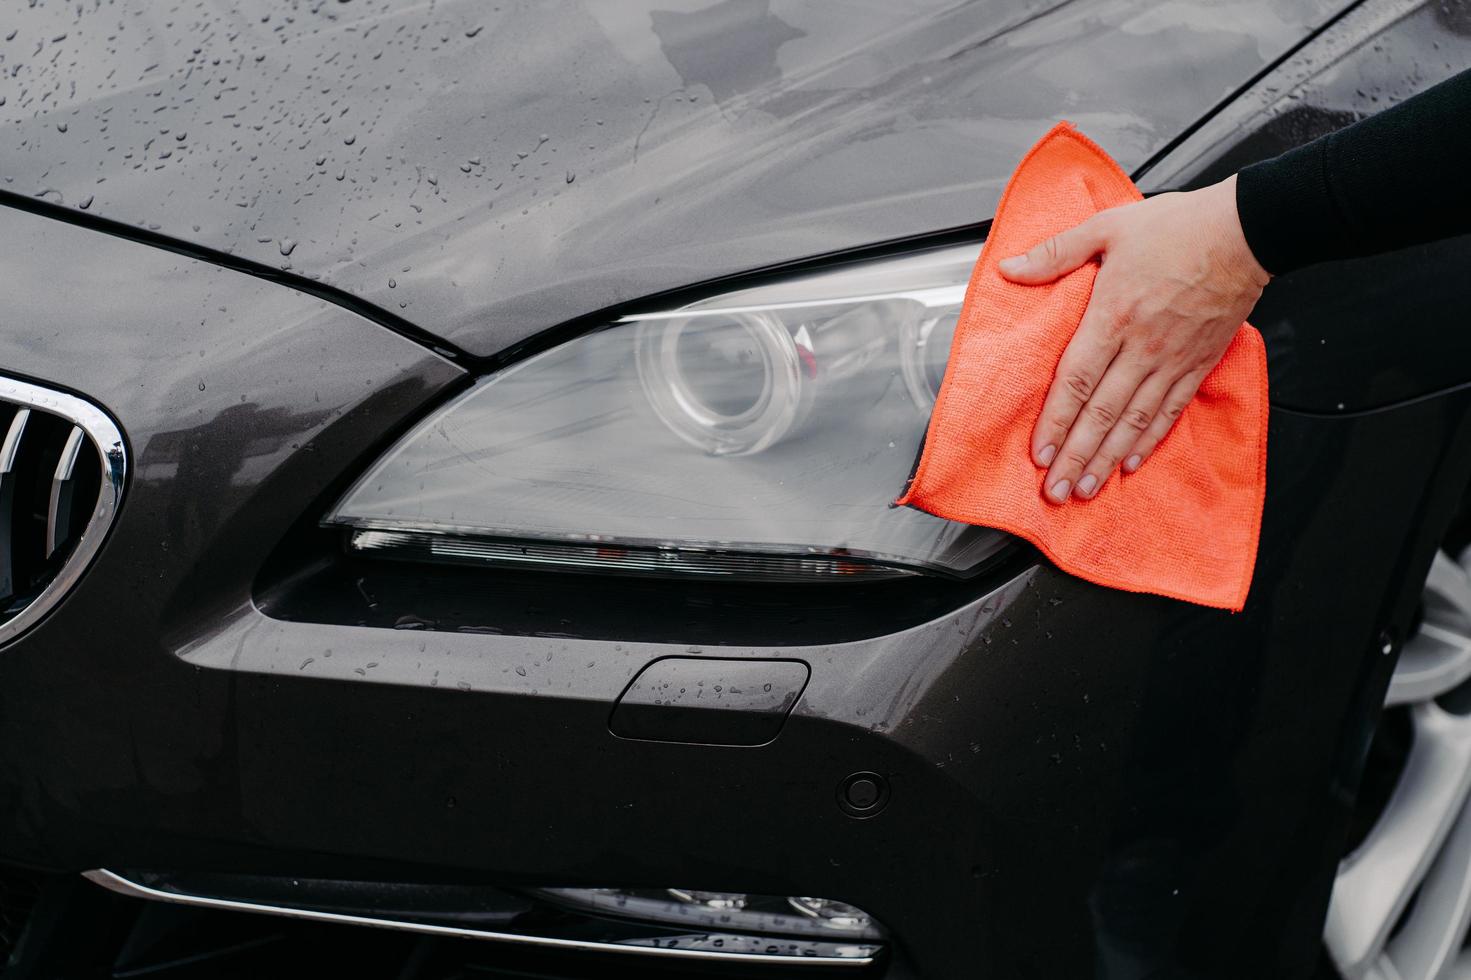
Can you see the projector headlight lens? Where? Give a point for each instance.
(758, 434)
(725, 384)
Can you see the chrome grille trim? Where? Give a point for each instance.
(11, 445)
(55, 511)
(107, 441)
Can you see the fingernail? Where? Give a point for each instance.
(1132, 463)
(1014, 264)
(1060, 489)
(1046, 455)
(1087, 484)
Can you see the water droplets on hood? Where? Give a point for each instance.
(711, 107)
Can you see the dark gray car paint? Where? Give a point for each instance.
(1123, 783)
(488, 171)
(1056, 750)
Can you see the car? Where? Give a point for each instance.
(445, 487)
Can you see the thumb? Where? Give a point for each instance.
(1056, 256)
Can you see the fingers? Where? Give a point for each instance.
(1104, 433)
(1079, 371)
(1179, 395)
(1096, 419)
(1131, 426)
(1056, 256)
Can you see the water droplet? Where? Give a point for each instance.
(571, 176)
(85, 202)
(61, 127)
(288, 245)
(349, 141)
(392, 283)
(474, 30)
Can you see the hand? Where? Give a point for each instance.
(1175, 282)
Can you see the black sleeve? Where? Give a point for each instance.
(1400, 177)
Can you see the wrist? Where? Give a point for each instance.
(1236, 248)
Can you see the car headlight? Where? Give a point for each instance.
(762, 433)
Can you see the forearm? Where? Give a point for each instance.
(1400, 177)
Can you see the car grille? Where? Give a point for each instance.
(62, 467)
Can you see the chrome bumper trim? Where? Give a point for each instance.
(123, 886)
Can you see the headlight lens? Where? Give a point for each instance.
(762, 433)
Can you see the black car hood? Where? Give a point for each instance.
(488, 170)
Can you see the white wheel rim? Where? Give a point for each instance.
(1422, 841)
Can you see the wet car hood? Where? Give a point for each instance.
(489, 170)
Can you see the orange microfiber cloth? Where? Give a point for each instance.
(1186, 524)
